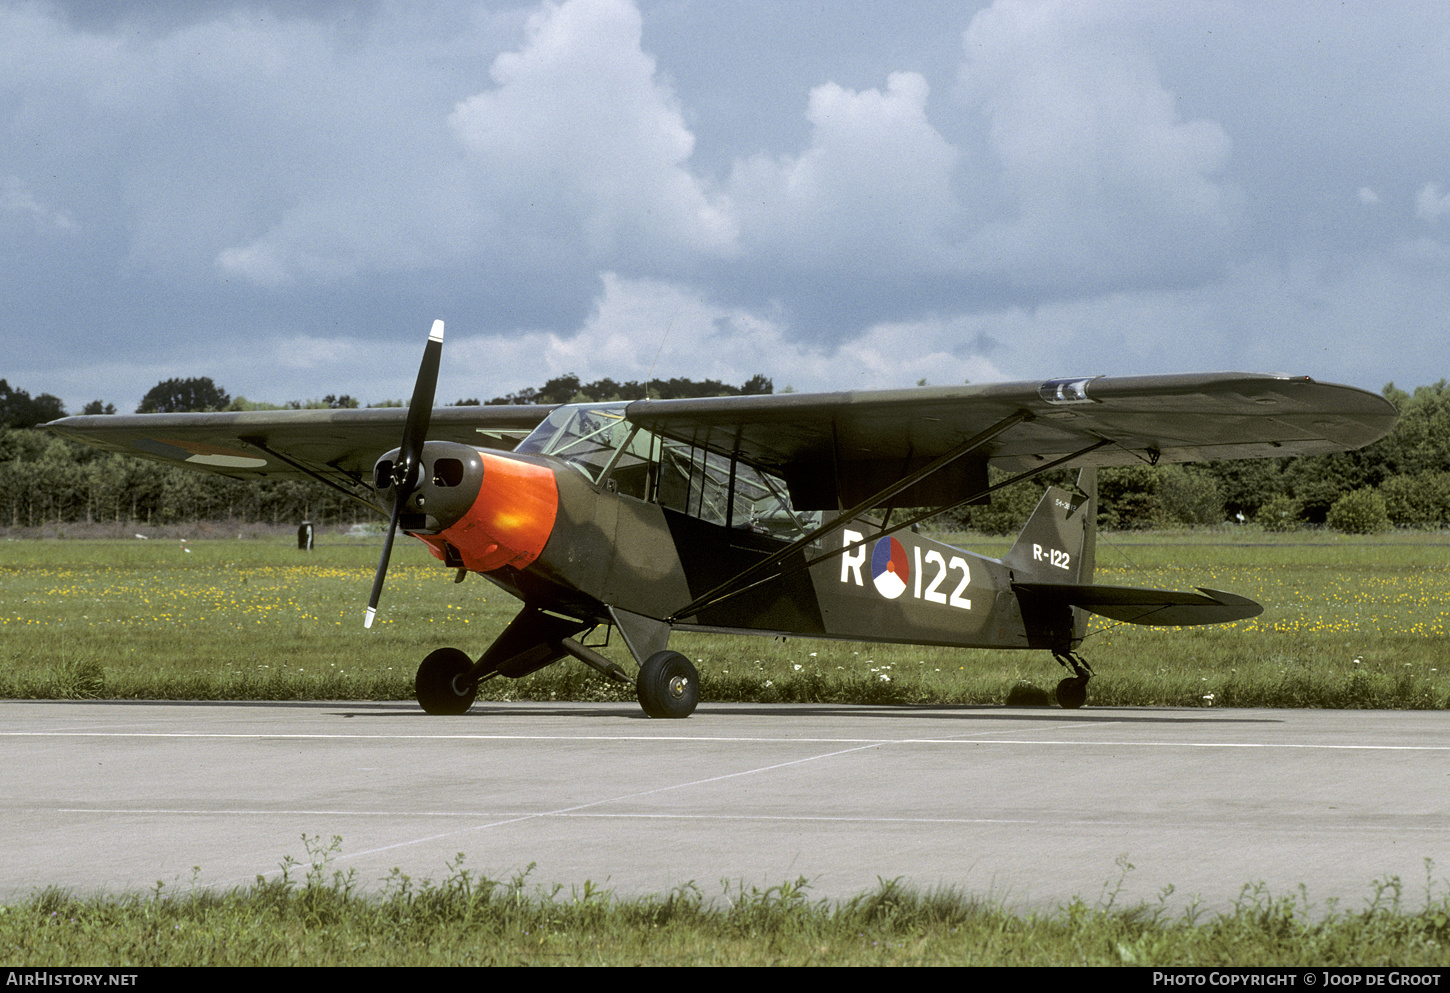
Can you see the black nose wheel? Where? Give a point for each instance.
(668, 685)
(438, 686)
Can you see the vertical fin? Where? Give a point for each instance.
(1057, 544)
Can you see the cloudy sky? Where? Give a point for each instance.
(838, 194)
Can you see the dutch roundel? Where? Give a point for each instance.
(889, 568)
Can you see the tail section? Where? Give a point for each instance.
(1057, 547)
(1052, 574)
(1058, 544)
(1051, 567)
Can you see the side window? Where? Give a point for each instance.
(762, 504)
(725, 491)
(631, 472)
(694, 481)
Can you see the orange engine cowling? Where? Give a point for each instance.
(476, 510)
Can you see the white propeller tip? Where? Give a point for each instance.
(368, 620)
(437, 333)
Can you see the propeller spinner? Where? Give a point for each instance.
(408, 467)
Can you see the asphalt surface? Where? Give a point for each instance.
(1029, 807)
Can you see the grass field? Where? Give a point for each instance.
(316, 916)
(1348, 622)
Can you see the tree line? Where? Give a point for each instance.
(49, 480)
(1402, 480)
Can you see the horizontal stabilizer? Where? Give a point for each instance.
(1158, 607)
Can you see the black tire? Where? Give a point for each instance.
(668, 686)
(437, 683)
(1072, 692)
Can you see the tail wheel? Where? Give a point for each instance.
(1072, 691)
(439, 685)
(668, 685)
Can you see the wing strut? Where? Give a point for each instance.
(259, 444)
(732, 585)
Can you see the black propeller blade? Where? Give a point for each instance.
(408, 468)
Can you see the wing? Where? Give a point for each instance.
(338, 446)
(860, 440)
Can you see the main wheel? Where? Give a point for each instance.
(668, 685)
(437, 684)
(1072, 692)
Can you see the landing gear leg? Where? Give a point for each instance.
(1072, 691)
(668, 685)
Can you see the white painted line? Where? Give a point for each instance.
(665, 739)
(497, 818)
(616, 799)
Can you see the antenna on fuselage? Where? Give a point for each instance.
(651, 374)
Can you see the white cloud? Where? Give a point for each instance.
(637, 328)
(1105, 180)
(901, 354)
(278, 149)
(1430, 203)
(646, 328)
(311, 352)
(581, 140)
(18, 202)
(873, 190)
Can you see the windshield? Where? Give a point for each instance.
(585, 436)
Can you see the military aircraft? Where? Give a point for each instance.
(788, 514)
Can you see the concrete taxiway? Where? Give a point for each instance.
(1030, 807)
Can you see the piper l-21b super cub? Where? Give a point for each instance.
(775, 515)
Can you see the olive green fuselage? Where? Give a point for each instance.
(609, 550)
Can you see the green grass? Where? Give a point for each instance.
(1349, 622)
(316, 916)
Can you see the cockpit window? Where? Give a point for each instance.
(683, 477)
(585, 436)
